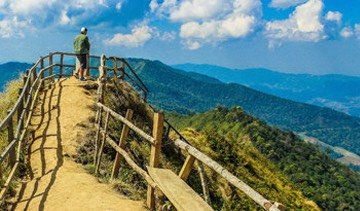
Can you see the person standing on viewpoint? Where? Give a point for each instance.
(81, 49)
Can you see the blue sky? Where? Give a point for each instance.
(298, 36)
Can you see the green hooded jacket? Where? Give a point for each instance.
(81, 44)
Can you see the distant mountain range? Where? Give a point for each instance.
(338, 92)
(10, 71)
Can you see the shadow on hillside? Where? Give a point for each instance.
(39, 148)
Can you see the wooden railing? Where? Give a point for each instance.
(20, 114)
(16, 123)
(104, 115)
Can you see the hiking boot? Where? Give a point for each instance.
(82, 79)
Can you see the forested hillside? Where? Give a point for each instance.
(227, 131)
(175, 90)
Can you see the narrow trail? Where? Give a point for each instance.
(56, 182)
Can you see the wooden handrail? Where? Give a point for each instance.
(254, 195)
(128, 123)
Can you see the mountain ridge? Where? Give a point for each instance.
(10, 71)
(339, 92)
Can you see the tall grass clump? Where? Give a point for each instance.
(7, 100)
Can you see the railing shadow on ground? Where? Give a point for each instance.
(43, 138)
(45, 70)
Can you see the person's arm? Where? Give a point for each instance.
(87, 43)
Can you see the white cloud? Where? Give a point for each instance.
(213, 21)
(153, 5)
(39, 14)
(283, 4)
(235, 27)
(346, 32)
(167, 36)
(139, 36)
(304, 24)
(24, 7)
(333, 16)
(190, 10)
(192, 45)
(119, 5)
(64, 18)
(12, 27)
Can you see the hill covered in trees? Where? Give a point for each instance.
(229, 132)
(179, 91)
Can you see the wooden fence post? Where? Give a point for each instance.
(10, 127)
(102, 68)
(41, 66)
(20, 109)
(158, 128)
(122, 69)
(87, 70)
(115, 68)
(204, 182)
(25, 97)
(186, 168)
(51, 63)
(61, 65)
(97, 167)
(122, 141)
(98, 133)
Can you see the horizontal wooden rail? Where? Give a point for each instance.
(8, 181)
(254, 195)
(127, 122)
(128, 159)
(7, 150)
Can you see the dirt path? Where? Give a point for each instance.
(56, 182)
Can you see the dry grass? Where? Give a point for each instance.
(7, 101)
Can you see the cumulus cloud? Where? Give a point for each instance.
(139, 35)
(283, 4)
(304, 24)
(38, 14)
(333, 16)
(213, 21)
(166, 36)
(190, 10)
(64, 18)
(346, 32)
(119, 5)
(12, 27)
(153, 5)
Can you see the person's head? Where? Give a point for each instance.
(83, 30)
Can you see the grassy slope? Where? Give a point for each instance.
(268, 180)
(7, 101)
(330, 184)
